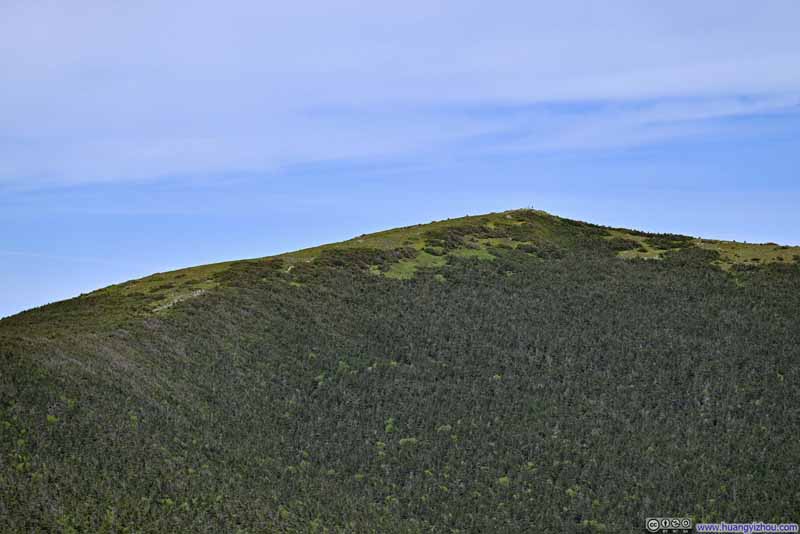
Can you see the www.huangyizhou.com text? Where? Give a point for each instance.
(747, 528)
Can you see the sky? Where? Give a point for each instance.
(140, 137)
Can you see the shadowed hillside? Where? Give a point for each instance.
(513, 372)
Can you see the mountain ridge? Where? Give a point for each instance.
(732, 253)
(512, 372)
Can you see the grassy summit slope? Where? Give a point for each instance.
(507, 372)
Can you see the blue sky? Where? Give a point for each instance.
(148, 136)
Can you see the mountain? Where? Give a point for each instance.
(510, 372)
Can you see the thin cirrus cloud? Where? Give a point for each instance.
(139, 91)
(625, 126)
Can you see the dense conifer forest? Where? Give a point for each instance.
(513, 372)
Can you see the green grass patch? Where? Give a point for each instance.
(735, 253)
(165, 289)
(406, 269)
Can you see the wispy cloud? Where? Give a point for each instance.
(633, 124)
(157, 89)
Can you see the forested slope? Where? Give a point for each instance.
(513, 372)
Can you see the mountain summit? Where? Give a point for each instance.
(509, 372)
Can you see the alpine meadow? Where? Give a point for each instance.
(510, 372)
